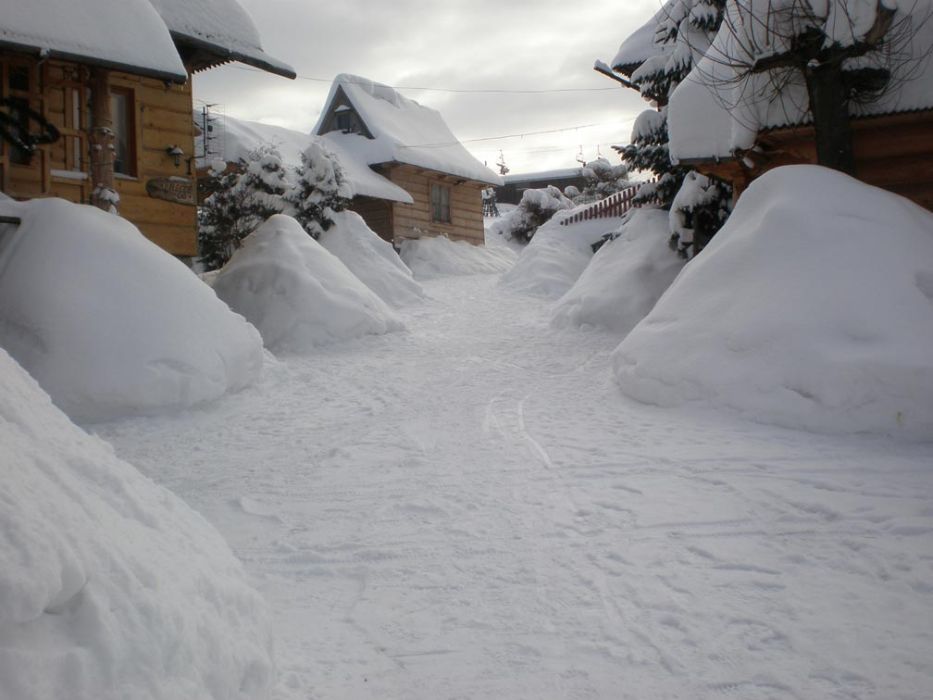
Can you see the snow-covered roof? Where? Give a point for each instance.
(121, 34)
(220, 27)
(639, 46)
(403, 131)
(235, 138)
(543, 175)
(713, 113)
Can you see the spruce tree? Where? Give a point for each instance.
(321, 190)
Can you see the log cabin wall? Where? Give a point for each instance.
(416, 220)
(159, 116)
(377, 213)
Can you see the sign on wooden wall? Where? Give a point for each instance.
(173, 189)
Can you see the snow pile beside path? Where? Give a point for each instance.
(373, 260)
(110, 586)
(431, 257)
(108, 323)
(812, 308)
(556, 256)
(297, 293)
(625, 278)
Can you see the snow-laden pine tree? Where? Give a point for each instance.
(320, 191)
(536, 208)
(683, 32)
(242, 202)
(602, 179)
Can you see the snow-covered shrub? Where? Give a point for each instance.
(436, 256)
(535, 208)
(298, 294)
(812, 308)
(110, 586)
(625, 278)
(372, 259)
(110, 324)
(602, 180)
(320, 191)
(244, 199)
(700, 208)
(571, 192)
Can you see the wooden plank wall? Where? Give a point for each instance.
(415, 220)
(59, 91)
(377, 213)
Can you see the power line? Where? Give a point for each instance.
(490, 91)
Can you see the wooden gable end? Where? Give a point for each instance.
(341, 115)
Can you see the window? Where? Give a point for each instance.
(344, 121)
(122, 110)
(440, 203)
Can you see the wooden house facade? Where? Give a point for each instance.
(412, 177)
(109, 125)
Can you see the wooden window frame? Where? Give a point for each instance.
(132, 150)
(440, 203)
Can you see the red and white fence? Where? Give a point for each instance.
(613, 206)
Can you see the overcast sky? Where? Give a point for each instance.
(454, 44)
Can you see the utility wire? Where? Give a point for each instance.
(491, 91)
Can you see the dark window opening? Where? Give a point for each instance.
(19, 129)
(19, 78)
(345, 121)
(440, 204)
(124, 132)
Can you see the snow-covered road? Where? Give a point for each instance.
(472, 510)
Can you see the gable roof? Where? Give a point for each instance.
(209, 32)
(123, 35)
(402, 131)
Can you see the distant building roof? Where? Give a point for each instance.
(402, 131)
(543, 175)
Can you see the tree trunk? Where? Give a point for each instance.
(829, 105)
(103, 194)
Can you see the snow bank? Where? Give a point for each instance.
(625, 278)
(812, 308)
(108, 323)
(556, 256)
(297, 293)
(110, 586)
(373, 260)
(437, 256)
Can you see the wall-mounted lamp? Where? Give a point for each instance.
(176, 153)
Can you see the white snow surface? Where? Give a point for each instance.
(557, 255)
(221, 24)
(640, 45)
(110, 586)
(812, 308)
(373, 260)
(365, 181)
(437, 256)
(127, 33)
(299, 295)
(625, 279)
(110, 324)
(472, 509)
(403, 131)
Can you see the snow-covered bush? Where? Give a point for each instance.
(110, 586)
(242, 202)
(373, 260)
(602, 180)
(535, 209)
(812, 308)
(298, 294)
(625, 278)
(436, 256)
(110, 324)
(700, 208)
(320, 191)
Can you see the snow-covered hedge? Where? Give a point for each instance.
(110, 586)
(812, 308)
(437, 256)
(297, 293)
(373, 260)
(535, 209)
(625, 278)
(107, 322)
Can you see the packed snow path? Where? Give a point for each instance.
(472, 510)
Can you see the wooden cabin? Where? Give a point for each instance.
(421, 181)
(95, 118)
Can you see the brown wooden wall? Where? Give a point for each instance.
(415, 220)
(162, 115)
(377, 213)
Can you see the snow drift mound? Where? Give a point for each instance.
(297, 293)
(437, 256)
(110, 586)
(373, 260)
(625, 278)
(108, 323)
(556, 256)
(812, 308)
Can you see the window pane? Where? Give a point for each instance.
(119, 109)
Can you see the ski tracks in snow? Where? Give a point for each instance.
(471, 510)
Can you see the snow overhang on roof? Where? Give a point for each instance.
(211, 32)
(638, 47)
(403, 132)
(125, 35)
(543, 175)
